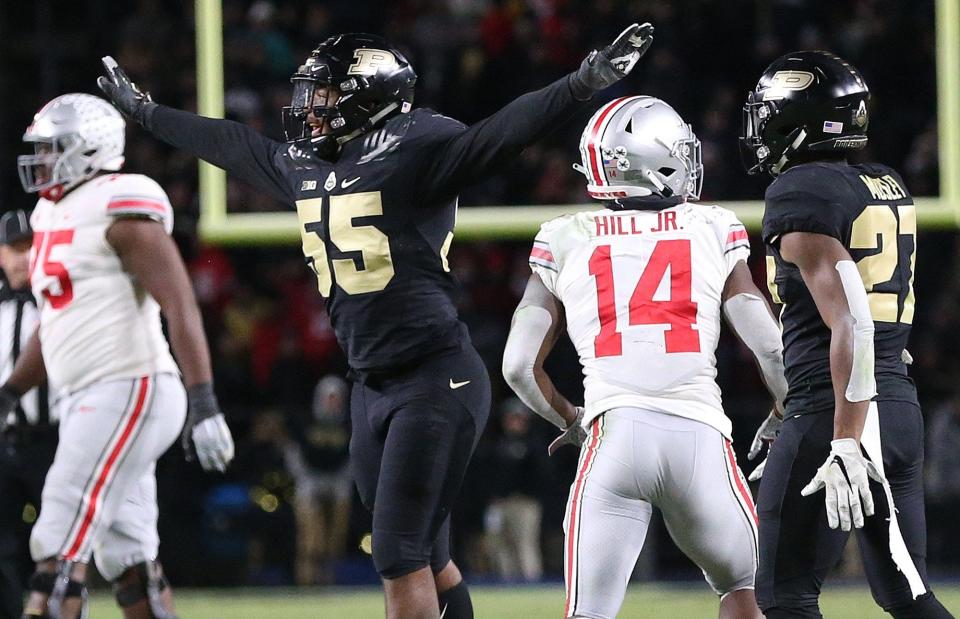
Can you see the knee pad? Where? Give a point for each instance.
(144, 581)
(58, 586)
(927, 606)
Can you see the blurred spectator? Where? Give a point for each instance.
(519, 469)
(316, 457)
(943, 480)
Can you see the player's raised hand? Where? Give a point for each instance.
(845, 477)
(574, 434)
(206, 434)
(123, 93)
(604, 68)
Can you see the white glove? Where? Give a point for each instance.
(768, 432)
(845, 476)
(574, 434)
(213, 443)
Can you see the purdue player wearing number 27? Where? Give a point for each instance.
(375, 184)
(639, 287)
(841, 243)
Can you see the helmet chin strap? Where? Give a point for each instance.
(775, 168)
(53, 193)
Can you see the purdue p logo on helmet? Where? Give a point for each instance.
(805, 102)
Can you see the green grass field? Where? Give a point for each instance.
(494, 603)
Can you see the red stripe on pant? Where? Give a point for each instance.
(107, 470)
(738, 480)
(574, 504)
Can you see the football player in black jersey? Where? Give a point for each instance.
(375, 185)
(841, 242)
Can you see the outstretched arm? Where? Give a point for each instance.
(475, 152)
(235, 147)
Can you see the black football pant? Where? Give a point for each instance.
(413, 435)
(23, 467)
(798, 549)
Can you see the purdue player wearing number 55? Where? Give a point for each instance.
(640, 287)
(103, 267)
(375, 184)
(841, 245)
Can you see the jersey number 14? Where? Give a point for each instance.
(679, 312)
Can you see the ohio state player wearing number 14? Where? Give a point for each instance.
(640, 286)
(103, 268)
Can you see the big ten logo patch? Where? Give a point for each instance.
(369, 61)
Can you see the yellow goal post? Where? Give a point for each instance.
(218, 226)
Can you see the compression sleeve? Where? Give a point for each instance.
(235, 147)
(863, 382)
(475, 152)
(530, 327)
(751, 320)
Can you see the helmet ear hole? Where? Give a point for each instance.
(667, 172)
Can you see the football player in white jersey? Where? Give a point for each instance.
(103, 267)
(639, 287)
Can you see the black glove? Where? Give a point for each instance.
(608, 66)
(123, 93)
(9, 398)
(206, 435)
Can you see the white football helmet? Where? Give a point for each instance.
(639, 146)
(74, 137)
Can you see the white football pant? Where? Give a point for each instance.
(632, 461)
(100, 495)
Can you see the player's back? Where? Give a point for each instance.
(642, 292)
(96, 321)
(869, 210)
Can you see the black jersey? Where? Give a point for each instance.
(868, 209)
(377, 223)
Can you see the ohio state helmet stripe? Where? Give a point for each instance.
(593, 144)
(596, 138)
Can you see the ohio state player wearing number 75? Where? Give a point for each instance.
(103, 267)
(639, 286)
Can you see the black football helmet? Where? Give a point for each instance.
(805, 103)
(374, 81)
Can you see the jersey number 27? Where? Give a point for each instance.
(679, 312)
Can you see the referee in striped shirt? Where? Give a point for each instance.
(28, 437)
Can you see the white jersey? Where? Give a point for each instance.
(642, 294)
(96, 322)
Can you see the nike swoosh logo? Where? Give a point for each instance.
(454, 385)
(347, 183)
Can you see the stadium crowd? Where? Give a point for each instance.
(286, 512)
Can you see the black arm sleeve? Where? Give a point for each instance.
(235, 147)
(468, 154)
